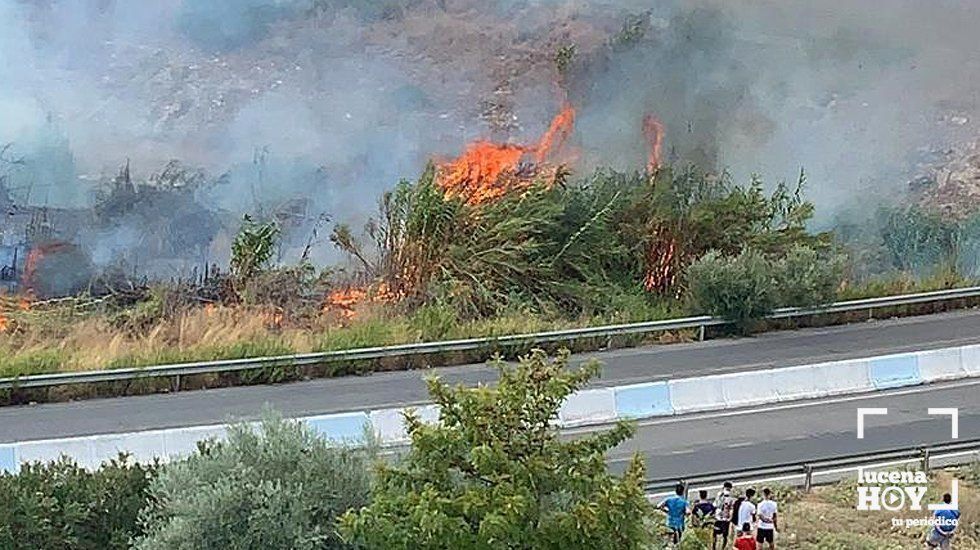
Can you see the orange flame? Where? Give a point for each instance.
(4, 323)
(34, 257)
(346, 301)
(653, 131)
(561, 127)
(487, 171)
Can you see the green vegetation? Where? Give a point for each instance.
(556, 252)
(60, 505)
(279, 487)
(495, 474)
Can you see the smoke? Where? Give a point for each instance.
(297, 108)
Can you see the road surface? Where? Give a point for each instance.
(382, 390)
(805, 431)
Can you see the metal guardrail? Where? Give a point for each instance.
(470, 344)
(811, 468)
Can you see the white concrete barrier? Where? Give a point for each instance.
(794, 383)
(389, 424)
(703, 393)
(746, 389)
(841, 377)
(941, 364)
(588, 407)
(970, 355)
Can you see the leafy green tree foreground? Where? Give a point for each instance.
(494, 473)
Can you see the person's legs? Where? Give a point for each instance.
(721, 530)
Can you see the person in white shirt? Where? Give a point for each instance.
(746, 512)
(766, 511)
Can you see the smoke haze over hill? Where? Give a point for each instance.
(332, 101)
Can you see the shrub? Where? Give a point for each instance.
(60, 505)
(740, 288)
(253, 248)
(278, 487)
(806, 277)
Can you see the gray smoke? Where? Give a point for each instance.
(313, 107)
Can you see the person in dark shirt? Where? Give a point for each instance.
(704, 509)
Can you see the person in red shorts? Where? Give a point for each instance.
(745, 540)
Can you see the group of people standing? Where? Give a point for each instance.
(753, 524)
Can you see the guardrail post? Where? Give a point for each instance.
(701, 333)
(925, 460)
(808, 478)
(177, 383)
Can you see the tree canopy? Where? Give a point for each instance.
(495, 473)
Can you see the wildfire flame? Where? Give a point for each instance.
(345, 301)
(4, 323)
(487, 171)
(653, 132)
(559, 130)
(34, 257)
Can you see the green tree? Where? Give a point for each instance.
(494, 473)
(61, 505)
(279, 487)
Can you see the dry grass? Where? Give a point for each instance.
(827, 520)
(47, 341)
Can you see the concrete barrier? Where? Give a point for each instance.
(588, 407)
(141, 446)
(840, 377)
(183, 441)
(703, 393)
(970, 355)
(746, 389)
(341, 428)
(643, 400)
(941, 364)
(794, 383)
(389, 424)
(77, 448)
(894, 371)
(9, 461)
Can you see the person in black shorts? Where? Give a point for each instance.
(724, 507)
(766, 511)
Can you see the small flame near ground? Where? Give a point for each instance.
(34, 258)
(345, 301)
(653, 132)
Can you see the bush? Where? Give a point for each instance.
(278, 487)
(740, 289)
(60, 505)
(749, 286)
(806, 277)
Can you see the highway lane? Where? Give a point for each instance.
(392, 389)
(729, 440)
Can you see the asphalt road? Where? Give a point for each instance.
(381, 390)
(702, 444)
